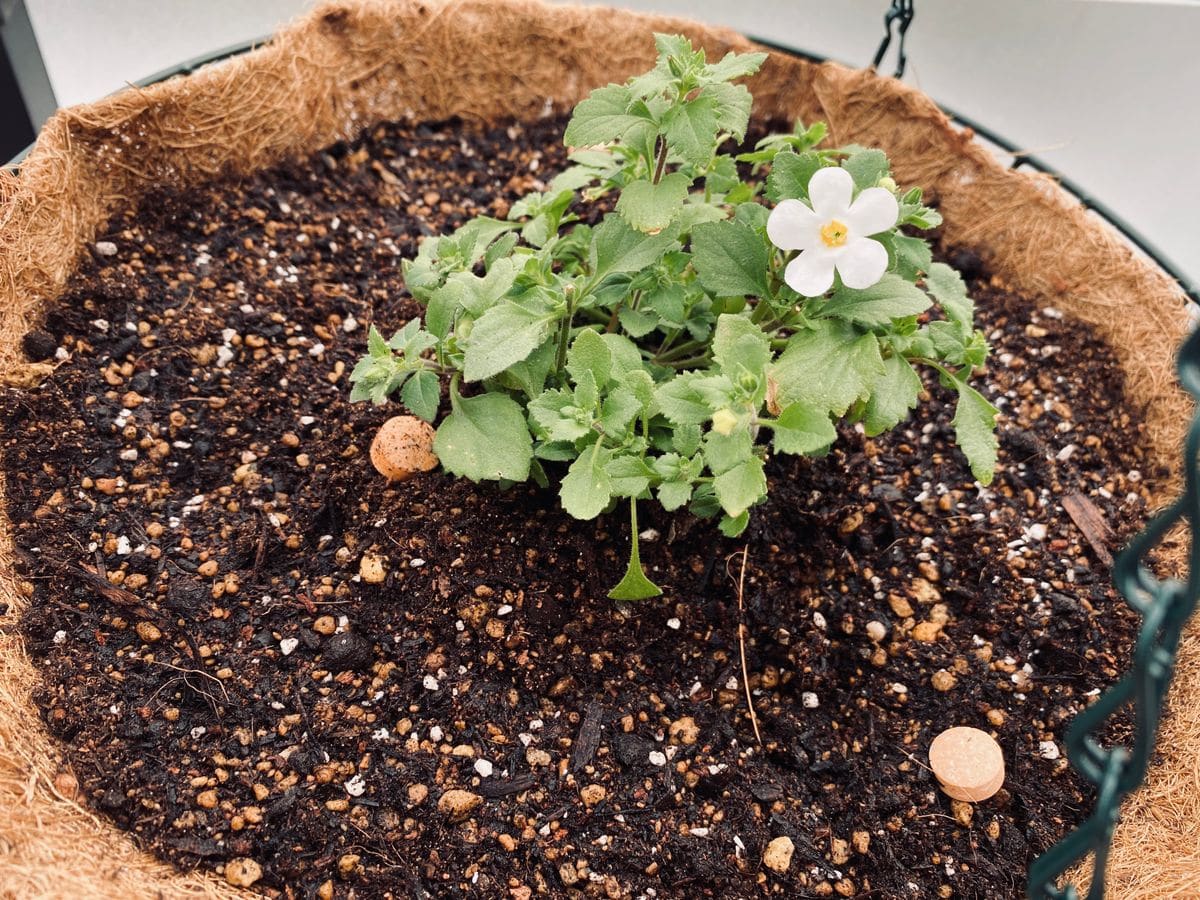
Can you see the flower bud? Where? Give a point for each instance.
(888, 183)
(724, 421)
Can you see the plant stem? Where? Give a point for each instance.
(661, 163)
(690, 362)
(564, 338)
(681, 350)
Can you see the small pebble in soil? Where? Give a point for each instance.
(347, 652)
(105, 248)
(373, 568)
(778, 855)
(39, 346)
(457, 805)
(243, 872)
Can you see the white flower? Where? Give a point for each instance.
(833, 233)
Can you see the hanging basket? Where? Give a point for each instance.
(348, 65)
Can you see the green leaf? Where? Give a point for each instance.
(637, 323)
(650, 207)
(790, 174)
(912, 255)
(600, 117)
(587, 488)
(739, 342)
(691, 128)
(733, 108)
(732, 526)
(975, 430)
(506, 334)
(866, 167)
(590, 353)
(686, 439)
(950, 291)
(731, 259)
(723, 452)
(892, 396)
(741, 487)
(529, 375)
(558, 417)
(630, 475)
(635, 585)
(619, 409)
(485, 437)
(680, 402)
(618, 248)
(422, 394)
(735, 65)
(828, 367)
(674, 494)
(377, 345)
(801, 430)
(890, 298)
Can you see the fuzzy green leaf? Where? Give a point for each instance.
(691, 128)
(735, 65)
(618, 248)
(828, 367)
(506, 334)
(741, 487)
(587, 488)
(890, 298)
(866, 167)
(650, 207)
(635, 585)
(680, 402)
(485, 437)
(590, 353)
(975, 431)
(600, 117)
(800, 430)
(731, 259)
(893, 394)
(790, 174)
(948, 288)
(422, 394)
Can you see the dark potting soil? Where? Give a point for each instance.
(192, 500)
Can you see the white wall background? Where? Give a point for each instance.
(1106, 92)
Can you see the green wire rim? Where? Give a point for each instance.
(1165, 605)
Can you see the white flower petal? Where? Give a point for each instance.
(793, 226)
(873, 211)
(811, 273)
(829, 190)
(861, 263)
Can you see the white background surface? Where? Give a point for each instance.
(1106, 92)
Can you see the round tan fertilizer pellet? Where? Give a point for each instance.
(403, 447)
(968, 763)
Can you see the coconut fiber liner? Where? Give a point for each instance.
(350, 64)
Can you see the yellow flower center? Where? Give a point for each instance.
(834, 234)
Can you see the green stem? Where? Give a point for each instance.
(681, 350)
(661, 162)
(564, 338)
(690, 362)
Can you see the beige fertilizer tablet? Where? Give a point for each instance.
(968, 763)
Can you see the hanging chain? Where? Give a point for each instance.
(1165, 606)
(902, 11)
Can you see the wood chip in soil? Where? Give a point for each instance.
(192, 500)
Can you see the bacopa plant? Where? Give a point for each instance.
(706, 321)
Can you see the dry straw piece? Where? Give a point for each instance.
(347, 65)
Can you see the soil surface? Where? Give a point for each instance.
(193, 501)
